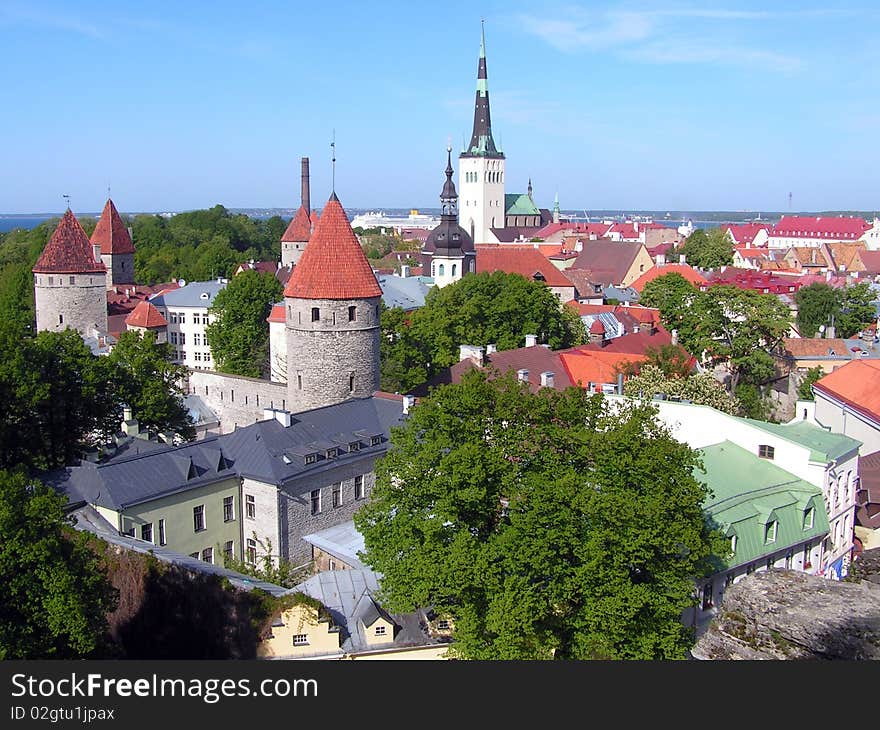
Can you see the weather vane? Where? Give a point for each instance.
(333, 163)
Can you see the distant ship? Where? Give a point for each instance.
(378, 219)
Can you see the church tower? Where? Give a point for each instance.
(331, 306)
(69, 284)
(295, 238)
(448, 252)
(481, 168)
(113, 247)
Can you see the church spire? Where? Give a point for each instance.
(482, 144)
(449, 196)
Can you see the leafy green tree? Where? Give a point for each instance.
(546, 525)
(494, 307)
(742, 327)
(805, 389)
(54, 594)
(673, 361)
(402, 358)
(856, 309)
(268, 566)
(701, 388)
(752, 403)
(816, 305)
(708, 249)
(674, 296)
(239, 334)
(148, 382)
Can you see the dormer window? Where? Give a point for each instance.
(443, 625)
(770, 531)
(375, 440)
(310, 458)
(380, 630)
(354, 446)
(809, 517)
(733, 542)
(331, 453)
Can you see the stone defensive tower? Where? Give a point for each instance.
(332, 318)
(70, 287)
(295, 238)
(113, 246)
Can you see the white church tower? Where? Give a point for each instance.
(481, 169)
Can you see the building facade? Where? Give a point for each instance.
(187, 312)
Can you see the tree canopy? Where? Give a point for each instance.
(54, 594)
(488, 308)
(545, 525)
(708, 249)
(701, 388)
(239, 333)
(849, 308)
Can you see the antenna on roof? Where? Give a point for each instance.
(333, 163)
(67, 198)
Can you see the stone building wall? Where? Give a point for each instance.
(81, 305)
(237, 400)
(120, 268)
(323, 354)
(291, 251)
(295, 505)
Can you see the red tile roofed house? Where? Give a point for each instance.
(146, 318)
(803, 353)
(557, 232)
(688, 272)
(262, 267)
(847, 401)
(760, 281)
(871, 261)
(526, 261)
(749, 258)
(793, 230)
(613, 263)
(752, 235)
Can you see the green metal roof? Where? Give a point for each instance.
(518, 204)
(748, 492)
(823, 445)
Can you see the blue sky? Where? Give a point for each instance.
(654, 106)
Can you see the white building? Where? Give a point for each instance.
(187, 312)
(804, 231)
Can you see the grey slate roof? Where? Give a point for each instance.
(341, 541)
(190, 295)
(406, 292)
(347, 594)
(265, 451)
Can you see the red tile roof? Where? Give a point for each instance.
(597, 229)
(526, 261)
(300, 227)
(68, 250)
(262, 267)
(686, 271)
(597, 328)
(277, 314)
(827, 227)
(807, 347)
(110, 232)
(584, 366)
(145, 315)
(746, 232)
(608, 261)
(333, 264)
(857, 384)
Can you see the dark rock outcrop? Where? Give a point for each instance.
(784, 614)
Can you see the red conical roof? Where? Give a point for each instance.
(111, 233)
(333, 265)
(68, 251)
(597, 328)
(145, 315)
(299, 229)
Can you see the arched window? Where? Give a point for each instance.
(453, 270)
(441, 269)
(351, 382)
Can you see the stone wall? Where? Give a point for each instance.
(296, 509)
(324, 354)
(120, 268)
(237, 401)
(81, 305)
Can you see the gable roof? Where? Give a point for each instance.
(68, 251)
(110, 232)
(300, 227)
(333, 264)
(816, 347)
(526, 261)
(145, 315)
(688, 272)
(745, 232)
(519, 204)
(824, 445)
(857, 384)
(609, 261)
(825, 227)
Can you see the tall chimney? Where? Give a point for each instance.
(306, 201)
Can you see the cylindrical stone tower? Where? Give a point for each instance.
(332, 318)
(69, 285)
(112, 242)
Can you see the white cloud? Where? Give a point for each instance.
(678, 51)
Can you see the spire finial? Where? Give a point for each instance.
(108, 191)
(67, 198)
(333, 163)
(482, 37)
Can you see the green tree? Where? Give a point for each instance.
(148, 382)
(239, 334)
(701, 388)
(54, 595)
(485, 308)
(805, 389)
(856, 309)
(674, 296)
(742, 327)
(816, 305)
(708, 249)
(402, 358)
(546, 525)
